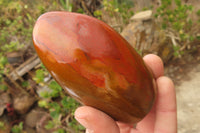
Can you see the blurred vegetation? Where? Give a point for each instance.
(119, 9)
(175, 18)
(17, 18)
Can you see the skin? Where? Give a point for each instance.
(161, 119)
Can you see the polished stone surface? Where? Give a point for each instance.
(95, 65)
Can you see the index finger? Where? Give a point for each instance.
(166, 116)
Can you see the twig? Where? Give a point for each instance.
(15, 83)
(117, 26)
(170, 34)
(173, 39)
(14, 71)
(183, 47)
(66, 118)
(86, 8)
(25, 67)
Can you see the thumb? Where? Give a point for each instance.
(95, 121)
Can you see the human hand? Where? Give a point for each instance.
(161, 119)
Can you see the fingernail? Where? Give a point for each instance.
(80, 114)
(82, 121)
(81, 118)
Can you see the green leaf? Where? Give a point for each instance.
(181, 52)
(97, 13)
(80, 10)
(198, 12)
(43, 103)
(156, 15)
(176, 48)
(190, 7)
(171, 18)
(178, 2)
(54, 114)
(2, 125)
(64, 102)
(69, 104)
(74, 124)
(39, 77)
(56, 89)
(198, 37)
(55, 106)
(49, 125)
(60, 130)
(164, 26)
(25, 84)
(42, 66)
(17, 128)
(190, 22)
(55, 86)
(45, 94)
(54, 94)
(191, 38)
(3, 87)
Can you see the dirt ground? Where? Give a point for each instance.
(186, 76)
(188, 103)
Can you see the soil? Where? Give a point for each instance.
(186, 75)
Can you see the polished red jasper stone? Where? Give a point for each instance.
(95, 65)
